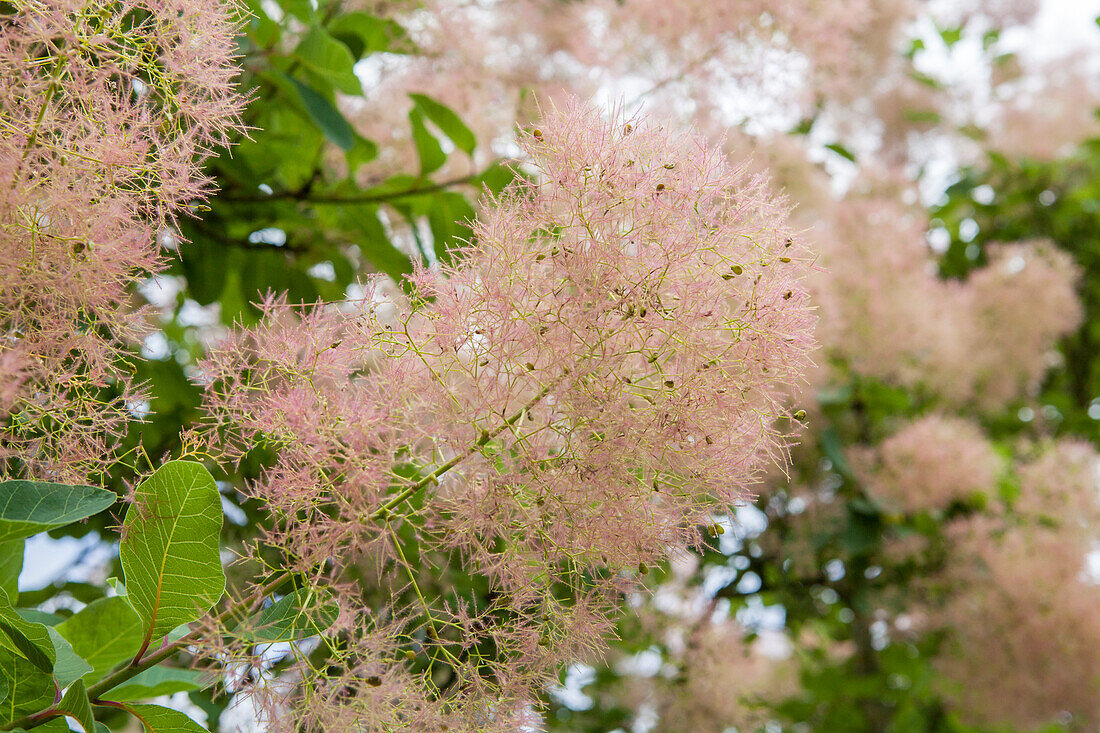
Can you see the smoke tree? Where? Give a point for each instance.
(491, 378)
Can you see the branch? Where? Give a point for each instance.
(405, 493)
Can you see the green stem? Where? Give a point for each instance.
(407, 492)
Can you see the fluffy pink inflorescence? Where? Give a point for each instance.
(928, 464)
(1023, 644)
(1061, 487)
(109, 108)
(1024, 637)
(980, 343)
(570, 398)
(723, 680)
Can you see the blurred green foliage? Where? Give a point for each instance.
(1010, 200)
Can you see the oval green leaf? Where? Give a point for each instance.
(325, 115)
(26, 638)
(169, 551)
(301, 613)
(30, 507)
(11, 565)
(428, 148)
(156, 719)
(449, 123)
(103, 633)
(328, 58)
(156, 681)
(68, 666)
(29, 688)
(75, 705)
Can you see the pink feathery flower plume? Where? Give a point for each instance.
(602, 369)
(108, 110)
(928, 464)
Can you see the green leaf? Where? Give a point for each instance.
(450, 216)
(39, 617)
(447, 121)
(11, 565)
(496, 177)
(427, 147)
(841, 151)
(30, 689)
(68, 667)
(376, 245)
(156, 681)
(83, 592)
(57, 725)
(365, 34)
(296, 615)
(169, 550)
(951, 36)
(925, 79)
(27, 638)
(30, 507)
(325, 115)
(301, 9)
(261, 29)
(833, 449)
(156, 719)
(328, 58)
(75, 705)
(364, 151)
(922, 116)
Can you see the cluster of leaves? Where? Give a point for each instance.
(99, 657)
(126, 643)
